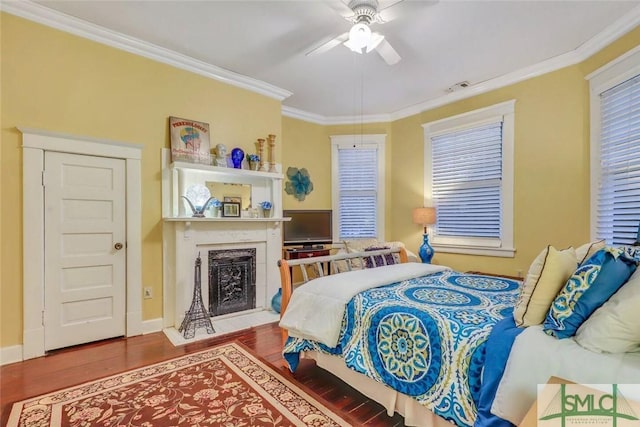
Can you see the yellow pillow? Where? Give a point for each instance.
(585, 251)
(547, 274)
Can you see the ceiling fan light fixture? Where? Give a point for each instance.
(359, 37)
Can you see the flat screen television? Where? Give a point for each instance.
(307, 227)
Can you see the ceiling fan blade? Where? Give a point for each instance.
(328, 45)
(386, 11)
(388, 53)
(341, 8)
(374, 41)
(392, 9)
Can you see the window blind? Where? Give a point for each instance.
(466, 181)
(618, 207)
(358, 192)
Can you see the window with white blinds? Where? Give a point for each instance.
(469, 179)
(618, 198)
(358, 186)
(466, 177)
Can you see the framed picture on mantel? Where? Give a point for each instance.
(189, 141)
(230, 209)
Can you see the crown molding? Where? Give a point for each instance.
(51, 18)
(306, 116)
(318, 119)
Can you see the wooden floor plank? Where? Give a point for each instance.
(72, 366)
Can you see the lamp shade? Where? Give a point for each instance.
(424, 216)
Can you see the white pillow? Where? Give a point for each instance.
(359, 245)
(615, 326)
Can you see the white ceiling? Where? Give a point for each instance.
(441, 43)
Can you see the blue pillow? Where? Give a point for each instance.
(588, 288)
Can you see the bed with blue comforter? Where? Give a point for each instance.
(425, 337)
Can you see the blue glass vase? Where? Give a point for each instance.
(236, 157)
(426, 251)
(276, 301)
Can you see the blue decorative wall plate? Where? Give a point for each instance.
(299, 184)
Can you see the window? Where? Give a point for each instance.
(615, 150)
(469, 179)
(358, 186)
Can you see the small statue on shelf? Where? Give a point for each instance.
(221, 155)
(237, 155)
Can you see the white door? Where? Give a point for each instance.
(85, 251)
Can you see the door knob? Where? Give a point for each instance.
(118, 246)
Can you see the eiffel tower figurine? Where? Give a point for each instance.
(197, 316)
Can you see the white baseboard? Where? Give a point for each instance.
(14, 354)
(10, 354)
(150, 326)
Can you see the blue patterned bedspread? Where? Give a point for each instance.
(424, 337)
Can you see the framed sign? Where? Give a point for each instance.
(189, 141)
(230, 209)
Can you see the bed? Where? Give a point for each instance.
(433, 344)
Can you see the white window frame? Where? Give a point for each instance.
(504, 246)
(604, 78)
(350, 141)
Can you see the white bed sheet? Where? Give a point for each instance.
(536, 356)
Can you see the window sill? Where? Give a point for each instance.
(475, 250)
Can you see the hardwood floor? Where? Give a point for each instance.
(67, 367)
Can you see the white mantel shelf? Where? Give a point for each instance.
(225, 171)
(225, 219)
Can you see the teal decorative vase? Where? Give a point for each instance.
(276, 301)
(426, 251)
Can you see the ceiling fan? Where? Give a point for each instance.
(360, 38)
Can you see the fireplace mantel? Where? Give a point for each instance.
(185, 237)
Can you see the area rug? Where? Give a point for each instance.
(222, 386)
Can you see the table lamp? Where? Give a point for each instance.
(425, 216)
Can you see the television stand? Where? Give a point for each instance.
(306, 252)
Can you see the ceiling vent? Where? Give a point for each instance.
(458, 86)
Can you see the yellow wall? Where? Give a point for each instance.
(551, 204)
(55, 81)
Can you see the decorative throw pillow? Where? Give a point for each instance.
(377, 260)
(588, 288)
(615, 327)
(632, 252)
(359, 245)
(547, 273)
(585, 251)
(342, 266)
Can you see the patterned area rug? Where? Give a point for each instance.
(223, 386)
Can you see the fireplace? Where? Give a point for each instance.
(184, 240)
(232, 280)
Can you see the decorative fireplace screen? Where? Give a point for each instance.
(232, 280)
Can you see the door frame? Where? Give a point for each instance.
(35, 143)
